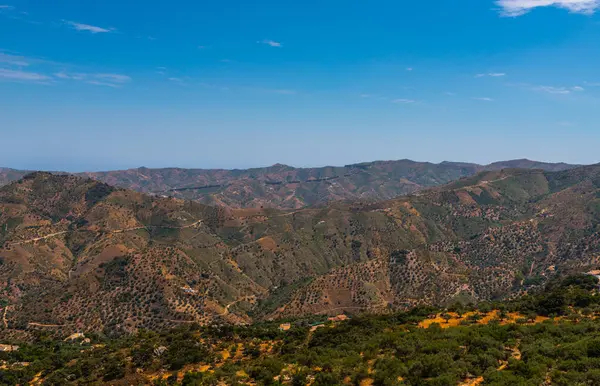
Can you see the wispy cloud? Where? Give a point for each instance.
(272, 43)
(17, 67)
(99, 83)
(114, 78)
(22, 76)
(558, 90)
(13, 60)
(23, 16)
(520, 7)
(89, 28)
(491, 74)
(403, 101)
(63, 75)
(484, 99)
(97, 79)
(409, 68)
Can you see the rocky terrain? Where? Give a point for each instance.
(78, 254)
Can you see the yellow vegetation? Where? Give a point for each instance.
(225, 354)
(453, 319)
(472, 382)
(268, 243)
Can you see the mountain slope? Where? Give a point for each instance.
(285, 187)
(101, 258)
(483, 237)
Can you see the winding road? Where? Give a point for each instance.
(111, 232)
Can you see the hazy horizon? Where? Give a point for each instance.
(293, 166)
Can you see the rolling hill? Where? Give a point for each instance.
(81, 255)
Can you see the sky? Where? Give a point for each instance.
(117, 84)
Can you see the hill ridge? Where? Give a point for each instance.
(286, 187)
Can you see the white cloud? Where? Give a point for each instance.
(13, 60)
(89, 28)
(114, 78)
(403, 101)
(553, 90)
(15, 75)
(272, 43)
(409, 69)
(6, 7)
(577, 88)
(485, 99)
(74, 76)
(98, 83)
(521, 7)
(99, 79)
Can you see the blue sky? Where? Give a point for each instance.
(120, 84)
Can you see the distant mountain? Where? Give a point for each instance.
(80, 255)
(286, 187)
(528, 164)
(9, 175)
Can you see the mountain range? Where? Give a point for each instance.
(78, 254)
(285, 187)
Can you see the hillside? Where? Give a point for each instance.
(286, 187)
(80, 255)
(552, 338)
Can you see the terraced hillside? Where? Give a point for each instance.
(285, 187)
(81, 255)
